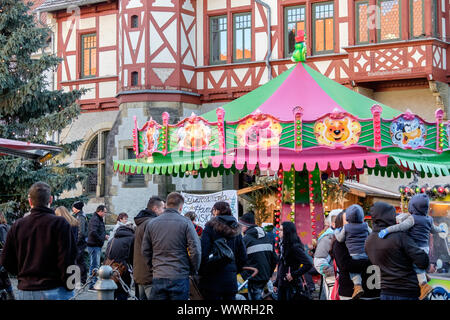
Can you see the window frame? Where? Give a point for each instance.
(100, 162)
(82, 74)
(285, 25)
(235, 15)
(313, 20)
(132, 74)
(399, 23)
(357, 22)
(411, 17)
(132, 20)
(211, 60)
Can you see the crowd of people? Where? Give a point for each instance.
(166, 254)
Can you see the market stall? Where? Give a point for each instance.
(302, 128)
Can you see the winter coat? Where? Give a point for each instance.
(297, 260)
(322, 260)
(356, 231)
(346, 265)
(423, 223)
(395, 255)
(97, 231)
(4, 228)
(39, 249)
(142, 272)
(121, 247)
(261, 254)
(171, 245)
(222, 280)
(82, 230)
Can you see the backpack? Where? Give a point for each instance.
(221, 254)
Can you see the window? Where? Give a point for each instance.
(362, 20)
(135, 179)
(435, 19)
(294, 18)
(389, 20)
(95, 159)
(416, 18)
(323, 27)
(242, 38)
(134, 78)
(134, 21)
(218, 26)
(88, 55)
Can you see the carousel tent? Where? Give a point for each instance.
(28, 150)
(300, 119)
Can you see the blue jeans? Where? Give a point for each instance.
(389, 297)
(94, 261)
(144, 291)
(60, 293)
(356, 277)
(170, 289)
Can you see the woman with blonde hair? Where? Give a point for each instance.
(74, 224)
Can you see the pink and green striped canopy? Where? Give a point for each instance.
(301, 86)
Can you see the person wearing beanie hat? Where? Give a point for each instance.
(419, 226)
(77, 209)
(354, 234)
(261, 255)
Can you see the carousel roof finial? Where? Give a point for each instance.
(299, 54)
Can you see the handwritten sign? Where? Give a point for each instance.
(202, 204)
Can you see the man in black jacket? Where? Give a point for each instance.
(142, 272)
(77, 209)
(96, 238)
(395, 255)
(261, 255)
(39, 249)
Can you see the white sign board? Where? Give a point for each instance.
(202, 204)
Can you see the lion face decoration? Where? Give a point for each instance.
(193, 136)
(408, 133)
(337, 132)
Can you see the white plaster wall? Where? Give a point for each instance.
(343, 8)
(89, 94)
(107, 30)
(216, 4)
(260, 45)
(107, 61)
(107, 89)
(240, 3)
(87, 23)
(343, 36)
(71, 44)
(200, 35)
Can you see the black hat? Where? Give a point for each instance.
(248, 219)
(78, 205)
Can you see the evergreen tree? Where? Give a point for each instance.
(31, 111)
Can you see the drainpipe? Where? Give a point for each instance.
(269, 36)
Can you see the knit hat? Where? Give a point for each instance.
(78, 205)
(248, 219)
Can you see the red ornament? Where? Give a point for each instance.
(313, 220)
(276, 238)
(280, 182)
(313, 226)
(441, 189)
(311, 182)
(313, 233)
(312, 200)
(311, 189)
(310, 176)
(277, 226)
(279, 195)
(277, 232)
(277, 219)
(279, 189)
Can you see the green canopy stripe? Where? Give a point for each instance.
(349, 100)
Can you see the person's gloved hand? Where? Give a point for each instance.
(441, 228)
(328, 271)
(383, 233)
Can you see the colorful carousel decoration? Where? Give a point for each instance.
(301, 127)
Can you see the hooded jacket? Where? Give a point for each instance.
(39, 249)
(97, 231)
(356, 231)
(394, 255)
(171, 245)
(142, 272)
(322, 257)
(222, 280)
(423, 223)
(261, 253)
(121, 247)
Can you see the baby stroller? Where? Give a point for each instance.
(243, 284)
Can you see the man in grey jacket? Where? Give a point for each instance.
(77, 209)
(172, 248)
